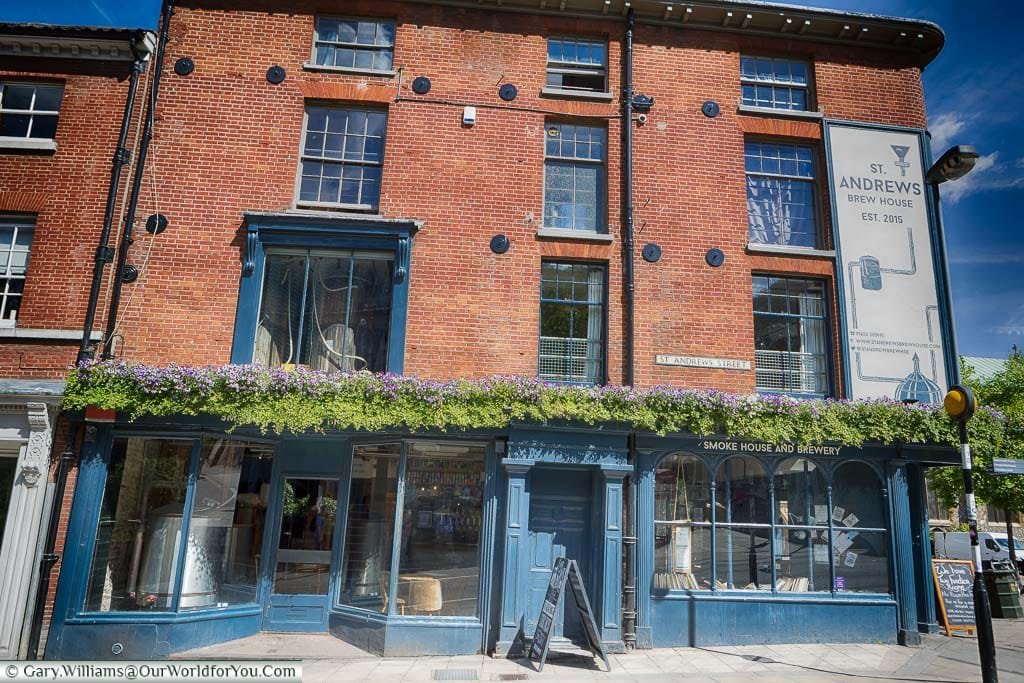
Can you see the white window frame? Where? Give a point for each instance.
(601, 191)
(27, 141)
(576, 68)
(18, 224)
(298, 201)
(774, 83)
(317, 42)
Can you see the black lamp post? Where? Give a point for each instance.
(959, 403)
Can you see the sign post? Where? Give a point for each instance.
(562, 571)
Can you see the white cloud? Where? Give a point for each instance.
(988, 174)
(944, 127)
(986, 258)
(1013, 325)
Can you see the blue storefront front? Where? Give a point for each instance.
(184, 535)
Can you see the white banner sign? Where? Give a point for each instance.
(883, 238)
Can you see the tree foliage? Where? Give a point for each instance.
(1003, 391)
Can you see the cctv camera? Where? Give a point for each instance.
(641, 119)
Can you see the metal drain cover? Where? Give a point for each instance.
(454, 675)
(513, 677)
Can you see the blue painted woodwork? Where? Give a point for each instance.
(322, 232)
(903, 559)
(608, 589)
(559, 526)
(706, 620)
(920, 532)
(517, 516)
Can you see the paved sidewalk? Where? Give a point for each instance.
(939, 659)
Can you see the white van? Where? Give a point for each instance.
(956, 545)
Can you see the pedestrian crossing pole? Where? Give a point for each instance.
(959, 404)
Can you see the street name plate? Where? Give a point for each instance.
(1007, 466)
(703, 362)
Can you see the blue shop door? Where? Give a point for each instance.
(559, 527)
(301, 574)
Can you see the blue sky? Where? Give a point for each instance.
(974, 95)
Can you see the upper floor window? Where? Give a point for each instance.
(15, 242)
(342, 156)
(572, 315)
(29, 110)
(575, 64)
(574, 177)
(774, 83)
(358, 44)
(328, 309)
(790, 335)
(780, 194)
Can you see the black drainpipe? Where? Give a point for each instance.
(629, 613)
(49, 558)
(104, 254)
(140, 167)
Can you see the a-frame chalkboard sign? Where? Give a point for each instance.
(562, 571)
(954, 586)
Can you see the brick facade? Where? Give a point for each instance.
(227, 142)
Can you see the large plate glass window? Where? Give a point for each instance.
(780, 195)
(359, 44)
(790, 335)
(801, 526)
(742, 525)
(774, 83)
(572, 317)
(682, 524)
(576, 64)
(574, 177)
(342, 157)
(15, 243)
(860, 538)
(29, 110)
(436, 526)
(145, 525)
(330, 310)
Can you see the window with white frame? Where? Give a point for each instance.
(774, 83)
(15, 242)
(790, 335)
(29, 110)
(342, 157)
(780, 194)
(572, 314)
(574, 177)
(359, 44)
(576, 64)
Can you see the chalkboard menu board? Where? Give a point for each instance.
(954, 583)
(565, 569)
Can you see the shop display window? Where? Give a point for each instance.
(437, 526)
(144, 515)
(788, 537)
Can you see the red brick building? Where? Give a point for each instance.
(437, 189)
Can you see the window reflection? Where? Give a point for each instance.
(801, 532)
(682, 531)
(859, 538)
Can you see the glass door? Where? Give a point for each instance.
(301, 575)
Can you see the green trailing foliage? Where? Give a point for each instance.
(1005, 392)
(274, 400)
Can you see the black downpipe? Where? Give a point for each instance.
(629, 611)
(49, 558)
(140, 167)
(104, 254)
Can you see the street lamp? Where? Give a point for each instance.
(959, 404)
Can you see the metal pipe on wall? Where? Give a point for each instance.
(629, 610)
(136, 188)
(122, 156)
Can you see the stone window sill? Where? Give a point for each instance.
(784, 113)
(10, 332)
(308, 66)
(28, 145)
(783, 250)
(575, 235)
(576, 94)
